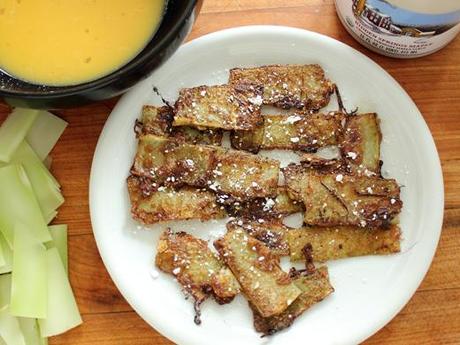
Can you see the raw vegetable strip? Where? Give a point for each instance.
(14, 130)
(7, 255)
(31, 332)
(28, 326)
(5, 289)
(63, 312)
(45, 186)
(26, 152)
(59, 235)
(45, 132)
(29, 198)
(2, 257)
(9, 328)
(50, 216)
(19, 204)
(48, 161)
(29, 280)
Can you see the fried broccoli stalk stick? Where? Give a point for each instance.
(288, 86)
(229, 172)
(315, 287)
(257, 269)
(158, 121)
(196, 268)
(321, 243)
(230, 107)
(360, 147)
(342, 242)
(335, 198)
(299, 131)
(151, 205)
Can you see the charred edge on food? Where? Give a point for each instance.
(155, 89)
(197, 309)
(138, 127)
(271, 232)
(340, 103)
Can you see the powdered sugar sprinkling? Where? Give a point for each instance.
(352, 155)
(292, 119)
(258, 100)
(268, 205)
(154, 274)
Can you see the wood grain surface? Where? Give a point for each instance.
(433, 314)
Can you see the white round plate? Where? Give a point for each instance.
(369, 291)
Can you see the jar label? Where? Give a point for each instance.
(395, 31)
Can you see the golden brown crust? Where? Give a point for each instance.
(158, 121)
(196, 268)
(343, 242)
(272, 233)
(284, 205)
(220, 106)
(288, 86)
(370, 201)
(153, 205)
(275, 207)
(298, 131)
(294, 179)
(296, 175)
(258, 271)
(248, 140)
(332, 199)
(197, 137)
(239, 174)
(173, 163)
(243, 175)
(360, 147)
(315, 287)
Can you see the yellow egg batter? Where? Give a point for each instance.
(66, 42)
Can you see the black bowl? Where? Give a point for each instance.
(176, 24)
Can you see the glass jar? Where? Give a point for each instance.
(401, 28)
